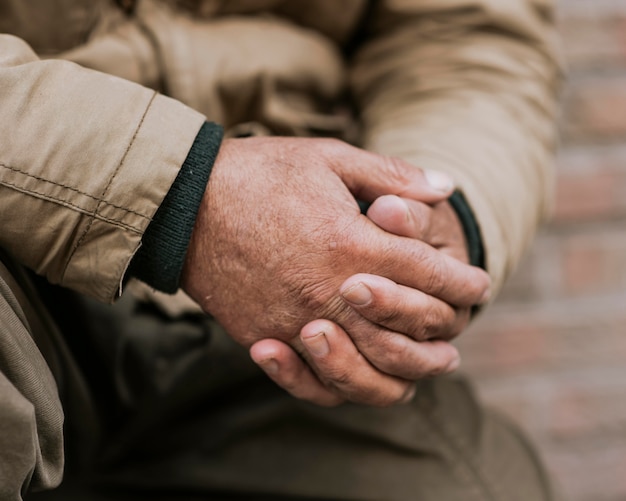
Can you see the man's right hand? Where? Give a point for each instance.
(278, 232)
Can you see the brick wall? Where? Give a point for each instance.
(551, 352)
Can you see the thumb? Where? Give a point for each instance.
(369, 176)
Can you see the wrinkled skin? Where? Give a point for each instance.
(278, 234)
(336, 368)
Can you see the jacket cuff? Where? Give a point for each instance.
(471, 229)
(159, 261)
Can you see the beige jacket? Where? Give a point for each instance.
(465, 86)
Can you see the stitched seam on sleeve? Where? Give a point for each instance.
(45, 196)
(108, 186)
(70, 188)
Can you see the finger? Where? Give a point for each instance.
(340, 365)
(416, 264)
(369, 175)
(401, 216)
(439, 225)
(399, 355)
(402, 309)
(285, 367)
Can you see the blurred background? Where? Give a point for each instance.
(551, 353)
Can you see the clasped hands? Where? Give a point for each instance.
(334, 305)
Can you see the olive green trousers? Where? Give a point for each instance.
(127, 402)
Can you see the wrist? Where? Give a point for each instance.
(159, 260)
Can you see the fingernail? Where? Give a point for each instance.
(317, 344)
(438, 180)
(359, 294)
(270, 366)
(486, 296)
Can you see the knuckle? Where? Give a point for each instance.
(421, 219)
(290, 384)
(438, 369)
(334, 148)
(385, 394)
(386, 315)
(392, 397)
(333, 142)
(434, 323)
(434, 277)
(427, 366)
(421, 333)
(435, 365)
(340, 378)
(394, 169)
(319, 299)
(396, 352)
(478, 281)
(435, 368)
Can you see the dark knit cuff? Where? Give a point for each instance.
(473, 236)
(159, 261)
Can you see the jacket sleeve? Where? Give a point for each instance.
(467, 87)
(86, 160)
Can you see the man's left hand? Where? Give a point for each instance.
(334, 364)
